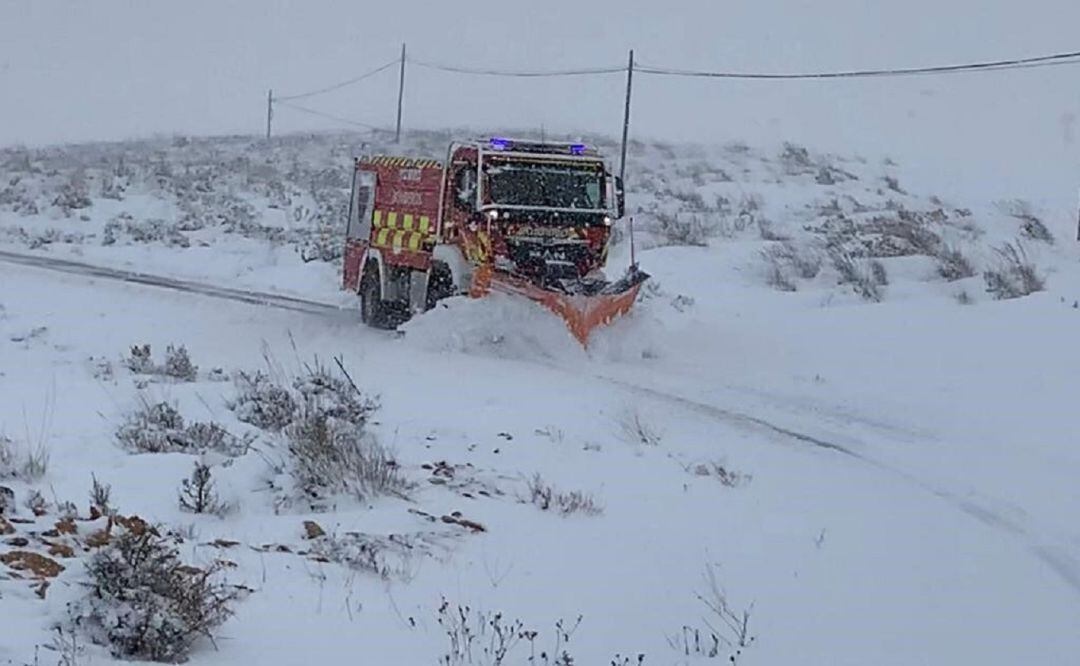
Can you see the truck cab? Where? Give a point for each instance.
(538, 210)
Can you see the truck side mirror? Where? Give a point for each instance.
(620, 199)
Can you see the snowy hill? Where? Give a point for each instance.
(824, 423)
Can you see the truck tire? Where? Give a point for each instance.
(372, 307)
(440, 284)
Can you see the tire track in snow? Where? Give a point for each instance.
(174, 284)
(1056, 557)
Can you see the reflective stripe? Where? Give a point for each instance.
(376, 220)
(425, 224)
(385, 160)
(408, 222)
(391, 220)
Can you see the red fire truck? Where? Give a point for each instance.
(522, 217)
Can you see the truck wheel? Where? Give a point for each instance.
(440, 284)
(372, 307)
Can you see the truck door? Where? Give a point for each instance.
(358, 228)
(363, 194)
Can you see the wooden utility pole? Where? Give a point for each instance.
(400, 95)
(626, 115)
(269, 111)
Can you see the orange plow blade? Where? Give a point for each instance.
(583, 306)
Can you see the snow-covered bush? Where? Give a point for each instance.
(73, 194)
(178, 364)
(153, 230)
(145, 603)
(262, 402)
(197, 494)
(333, 394)
(1015, 275)
(160, 428)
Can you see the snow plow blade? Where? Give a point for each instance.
(584, 305)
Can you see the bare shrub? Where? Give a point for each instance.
(636, 430)
(387, 557)
(893, 183)
(805, 260)
(878, 273)
(865, 278)
(767, 230)
(964, 298)
(37, 503)
(725, 626)
(1015, 275)
(796, 159)
(686, 229)
(482, 639)
(100, 496)
(331, 456)
(197, 494)
(546, 498)
(477, 638)
(144, 603)
(1031, 226)
(25, 463)
(952, 264)
(720, 472)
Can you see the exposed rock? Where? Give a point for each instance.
(7, 500)
(6, 527)
(61, 550)
(312, 530)
(456, 519)
(66, 526)
(39, 565)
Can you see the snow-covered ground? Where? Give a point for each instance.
(885, 478)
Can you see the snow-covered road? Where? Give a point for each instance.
(842, 531)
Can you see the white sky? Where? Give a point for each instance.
(80, 70)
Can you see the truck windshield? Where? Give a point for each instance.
(546, 184)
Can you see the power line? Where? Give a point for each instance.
(1071, 58)
(337, 86)
(587, 71)
(328, 116)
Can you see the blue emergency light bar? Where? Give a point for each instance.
(500, 143)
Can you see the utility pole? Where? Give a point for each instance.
(269, 111)
(626, 114)
(400, 95)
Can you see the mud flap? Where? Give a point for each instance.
(583, 312)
